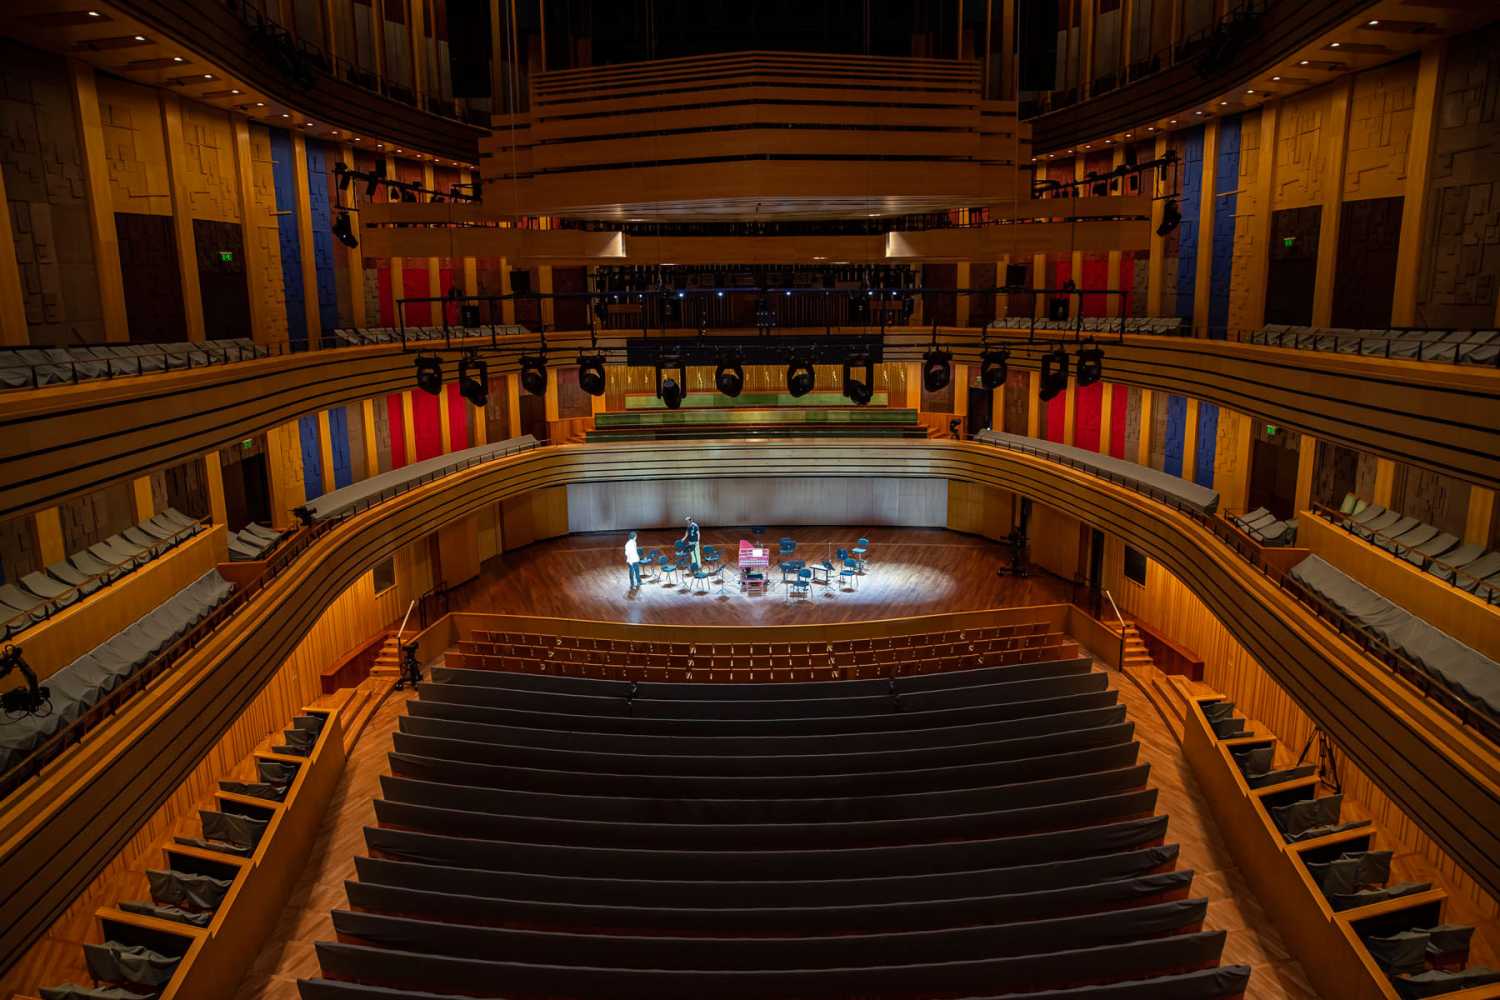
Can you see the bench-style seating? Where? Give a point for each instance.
(1466, 566)
(363, 336)
(970, 832)
(80, 685)
(1474, 347)
(35, 367)
(253, 542)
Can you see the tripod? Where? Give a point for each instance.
(411, 669)
(1328, 764)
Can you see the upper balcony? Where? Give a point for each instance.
(755, 135)
(227, 54)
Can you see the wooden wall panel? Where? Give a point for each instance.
(1381, 108)
(535, 516)
(1365, 276)
(1055, 542)
(153, 286)
(222, 282)
(1437, 499)
(20, 551)
(979, 510)
(263, 229)
(135, 147)
(211, 179)
(93, 518)
(750, 501)
(1303, 147)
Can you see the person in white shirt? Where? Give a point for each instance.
(633, 561)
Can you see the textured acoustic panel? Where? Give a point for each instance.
(93, 518)
(570, 314)
(208, 164)
(982, 307)
(1221, 253)
(312, 456)
(940, 307)
(358, 455)
(42, 159)
(288, 239)
(1249, 249)
(416, 283)
(381, 412)
(1135, 417)
(937, 402)
(386, 290)
(1365, 278)
(183, 486)
(1119, 416)
(1188, 235)
(338, 441)
(135, 147)
(497, 411)
(1156, 422)
(1139, 276)
(1461, 258)
(1205, 445)
(1017, 402)
(572, 402)
(1439, 500)
(1174, 434)
(153, 284)
(222, 281)
(320, 189)
(20, 553)
(1381, 109)
(266, 282)
(1302, 149)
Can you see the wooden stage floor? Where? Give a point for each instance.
(910, 571)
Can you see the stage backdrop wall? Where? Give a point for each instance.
(912, 503)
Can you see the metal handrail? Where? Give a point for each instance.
(404, 619)
(1112, 604)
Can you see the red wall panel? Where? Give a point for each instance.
(1088, 403)
(397, 420)
(1119, 401)
(387, 295)
(445, 282)
(1127, 283)
(458, 419)
(416, 285)
(426, 424)
(1095, 275)
(1057, 414)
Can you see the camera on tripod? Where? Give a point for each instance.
(25, 700)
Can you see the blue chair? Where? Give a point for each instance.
(790, 569)
(801, 585)
(649, 563)
(685, 569)
(860, 548)
(785, 547)
(666, 568)
(850, 572)
(700, 576)
(711, 556)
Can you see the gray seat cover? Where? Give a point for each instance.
(1138, 476)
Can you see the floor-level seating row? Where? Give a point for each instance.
(39, 595)
(1465, 565)
(972, 833)
(1409, 941)
(90, 679)
(1476, 347)
(34, 367)
(197, 884)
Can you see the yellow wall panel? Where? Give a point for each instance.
(134, 147)
(210, 177)
(1381, 113)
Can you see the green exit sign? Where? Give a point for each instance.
(1289, 241)
(226, 256)
(1271, 430)
(247, 444)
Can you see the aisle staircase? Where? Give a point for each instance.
(1171, 694)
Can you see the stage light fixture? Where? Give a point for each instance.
(341, 171)
(729, 377)
(474, 379)
(1090, 366)
(668, 388)
(534, 375)
(591, 374)
(994, 368)
(372, 181)
(937, 370)
(343, 228)
(859, 390)
(430, 375)
(1171, 217)
(799, 378)
(1054, 373)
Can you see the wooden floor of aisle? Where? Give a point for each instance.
(910, 571)
(1232, 907)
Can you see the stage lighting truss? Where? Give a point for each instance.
(474, 379)
(1090, 365)
(591, 374)
(430, 374)
(670, 389)
(859, 390)
(800, 378)
(729, 377)
(1054, 373)
(534, 374)
(994, 368)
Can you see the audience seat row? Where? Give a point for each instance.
(34, 367)
(360, 336)
(971, 833)
(1467, 566)
(253, 542)
(1265, 527)
(1154, 325)
(39, 595)
(1478, 347)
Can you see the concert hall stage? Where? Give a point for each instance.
(909, 571)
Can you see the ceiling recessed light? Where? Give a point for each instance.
(140, 38)
(1172, 122)
(356, 138)
(1304, 62)
(260, 104)
(398, 149)
(285, 115)
(335, 131)
(1127, 135)
(1249, 91)
(208, 76)
(1049, 156)
(1109, 140)
(177, 58)
(95, 13)
(1085, 145)
(1274, 79)
(1371, 23)
(1333, 45)
(236, 90)
(380, 145)
(1223, 104)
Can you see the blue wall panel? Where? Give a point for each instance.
(1206, 444)
(283, 178)
(1221, 261)
(312, 456)
(1190, 203)
(319, 163)
(1176, 431)
(338, 438)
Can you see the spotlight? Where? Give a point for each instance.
(799, 378)
(1171, 216)
(534, 375)
(372, 181)
(729, 377)
(1090, 366)
(341, 171)
(591, 374)
(474, 380)
(993, 368)
(430, 375)
(343, 228)
(937, 370)
(860, 391)
(1054, 373)
(669, 389)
